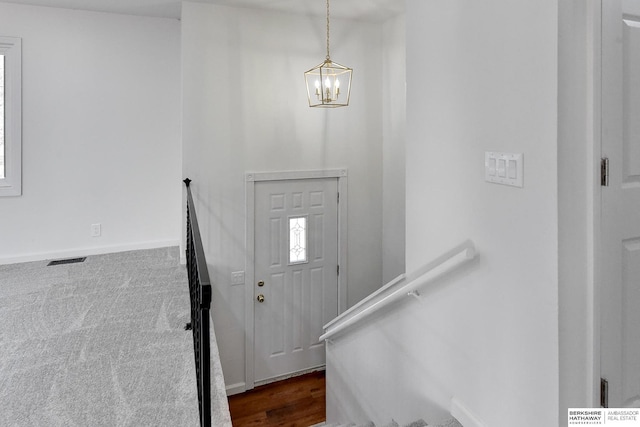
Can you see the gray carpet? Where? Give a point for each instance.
(99, 343)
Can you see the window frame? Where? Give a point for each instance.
(11, 183)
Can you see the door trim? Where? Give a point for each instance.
(579, 224)
(250, 179)
(594, 121)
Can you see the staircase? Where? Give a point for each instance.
(386, 354)
(452, 422)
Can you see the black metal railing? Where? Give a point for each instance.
(200, 292)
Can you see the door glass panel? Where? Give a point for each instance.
(297, 239)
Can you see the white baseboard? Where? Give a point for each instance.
(464, 416)
(41, 256)
(236, 388)
(291, 375)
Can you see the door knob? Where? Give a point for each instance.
(260, 298)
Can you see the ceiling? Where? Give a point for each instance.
(364, 10)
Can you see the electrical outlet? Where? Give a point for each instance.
(237, 278)
(96, 230)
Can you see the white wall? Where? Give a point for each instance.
(101, 133)
(480, 77)
(394, 119)
(492, 86)
(245, 110)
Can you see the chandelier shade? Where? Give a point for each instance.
(329, 83)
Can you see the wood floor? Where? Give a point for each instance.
(297, 402)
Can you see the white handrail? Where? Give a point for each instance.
(463, 415)
(394, 283)
(461, 253)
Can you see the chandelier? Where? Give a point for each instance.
(328, 83)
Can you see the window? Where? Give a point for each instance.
(298, 240)
(10, 116)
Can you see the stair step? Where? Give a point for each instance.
(452, 422)
(369, 424)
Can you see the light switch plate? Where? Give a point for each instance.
(237, 277)
(504, 168)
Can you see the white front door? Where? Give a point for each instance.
(620, 290)
(296, 262)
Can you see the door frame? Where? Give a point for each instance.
(594, 219)
(579, 224)
(250, 180)
(594, 121)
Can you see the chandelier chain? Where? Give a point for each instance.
(328, 57)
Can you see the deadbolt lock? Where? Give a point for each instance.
(261, 283)
(260, 298)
